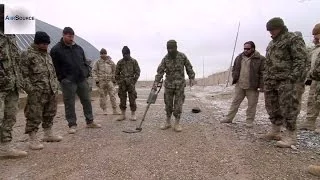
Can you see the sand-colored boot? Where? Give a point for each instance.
(274, 134)
(167, 124)
(133, 116)
(122, 116)
(177, 126)
(34, 143)
(115, 112)
(50, 137)
(8, 151)
(288, 140)
(314, 170)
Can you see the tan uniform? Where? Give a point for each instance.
(104, 73)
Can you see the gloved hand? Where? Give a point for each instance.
(97, 83)
(155, 86)
(192, 82)
(308, 82)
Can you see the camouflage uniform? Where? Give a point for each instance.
(41, 85)
(126, 75)
(175, 82)
(9, 96)
(313, 108)
(104, 75)
(285, 66)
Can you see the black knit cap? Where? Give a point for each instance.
(68, 30)
(41, 38)
(125, 50)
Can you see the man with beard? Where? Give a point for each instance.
(247, 74)
(104, 76)
(174, 64)
(286, 60)
(41, 85)
(126, 75)
(72, 71)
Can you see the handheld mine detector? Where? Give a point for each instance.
(151, 100)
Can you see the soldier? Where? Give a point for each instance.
(127, 75)
(173, 64)
(313, 107)
(41, 84)
(286, 59)
(9, 96)
(315, 77)
(72, 72)
(104, 76)
(247, 74)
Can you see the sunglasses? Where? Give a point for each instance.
(246, 49)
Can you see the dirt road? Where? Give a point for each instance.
(205, 149)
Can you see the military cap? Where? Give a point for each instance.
(275, 23)
(172, 42)
(103, 51)
(316, 29)
(298, 33)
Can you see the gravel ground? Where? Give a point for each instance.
(205, 149)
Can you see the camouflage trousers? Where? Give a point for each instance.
(174, 99)
(313, 105)
(107, 88)
(282, 103)
(40, 108)
(252, 96)
(9, 102)
(132, 93)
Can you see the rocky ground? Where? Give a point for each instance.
(205, 149)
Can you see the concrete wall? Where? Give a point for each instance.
(215, 79)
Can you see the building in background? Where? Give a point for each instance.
(24, 40)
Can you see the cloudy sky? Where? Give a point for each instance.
(204, 29)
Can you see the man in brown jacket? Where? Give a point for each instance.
(247, 74)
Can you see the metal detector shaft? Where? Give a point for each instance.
(144, 115)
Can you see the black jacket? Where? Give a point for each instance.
(69, 62)
(256, 70)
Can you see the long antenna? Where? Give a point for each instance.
(234, 48)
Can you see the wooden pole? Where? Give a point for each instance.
(234, 48)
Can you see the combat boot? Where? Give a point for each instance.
(49, 137)
(314, 170)
(249, 123)
(93, 125)
(133, 116)
(34, 143)
(116, 112)
(226, 121)
(177, 126)
(274, 134)
(289, 140)
(122, 116)
(308, 124)
(7, 151)
(167, 124)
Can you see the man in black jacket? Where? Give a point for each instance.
(72, 72)
(247, 74)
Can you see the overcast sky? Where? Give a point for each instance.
(204, 29)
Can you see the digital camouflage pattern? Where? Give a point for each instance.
(126, 75)
(41, 84)
(104, 74)
(174, 82)
(285, 67)
(9, 82)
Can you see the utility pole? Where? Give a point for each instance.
(234, 48)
